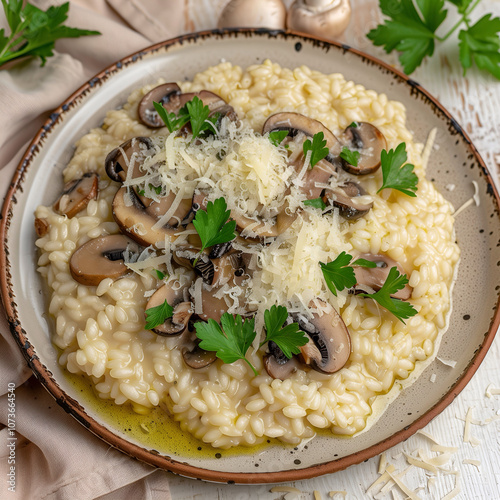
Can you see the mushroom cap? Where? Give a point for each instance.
(375, 277)
(165, 93)
(253, 13)
(196, 357)
(119, 160)
(369, 141)
(326, 19)
(278, 365)
(344, 198)
(100, 258)
(329, 347)
(77, 194)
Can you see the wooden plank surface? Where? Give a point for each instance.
(474, 101)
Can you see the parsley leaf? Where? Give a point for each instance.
(395, 175)
(461, 5)
(364, 263)
(408, 31)
(231, 342)
(338, 275)
(353, 125)
(277, 136)
(289, 338)
(156, 316)
(351, 157)
(197, 113)
(480, 44)
(317, 147)
(169, 119)
(393, 283)
(159, 274)
(34, 31)
(212, 226)
(315, 203)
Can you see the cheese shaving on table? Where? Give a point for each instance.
(333, 493)
(467, 436)
(476, 463)
(285, 489)
(491, 391)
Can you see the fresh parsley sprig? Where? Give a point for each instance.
(194, 112)
(289, 338)
(156, 316)
(212, 226)
(351, 157)
(395, 173)
(231, 342)
(394, 282)
(34, 31)
(338, 273)
(317, 147)
(277, 136)
(315, 203)
(413, 32)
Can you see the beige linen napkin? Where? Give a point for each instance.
(56, 458)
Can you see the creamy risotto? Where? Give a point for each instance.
(158, 183)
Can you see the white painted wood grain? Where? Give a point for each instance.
(474, 101)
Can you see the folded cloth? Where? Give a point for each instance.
(55, 457)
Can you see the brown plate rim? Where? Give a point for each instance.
(72, 407)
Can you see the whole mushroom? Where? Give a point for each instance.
(253, 14)
(324, 18)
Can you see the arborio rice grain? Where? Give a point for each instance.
(100, 330)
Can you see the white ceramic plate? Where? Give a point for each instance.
(473, 322)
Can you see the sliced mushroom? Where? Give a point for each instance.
(174, 294)
(375, 277)
(166, 93)
(196, 357)
(135, 221)
(324, 18)
(213, 307)
(269, 14)
(77, 194)
(296, 123)
(41, 226)
(262, 230)
(329, 346)
(129, 154)
(369, 142)
(278, 365)
(345, 199)
(101, 258)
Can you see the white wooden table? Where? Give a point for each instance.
(475, 103)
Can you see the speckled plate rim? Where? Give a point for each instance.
(72, 406)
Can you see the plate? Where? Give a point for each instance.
(455, 162)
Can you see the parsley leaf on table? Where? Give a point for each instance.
(338, 274)
(231, 342)
(212, 226)
(277, 136)
(394, 282)
(317, 147)
(351, 157)
(289, 338)
(34, 31)
(315, 203)
(156, 316)
(395, 174)
(408, 31)
(461, 5)
(480, 44)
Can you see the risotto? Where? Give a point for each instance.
(145, 185)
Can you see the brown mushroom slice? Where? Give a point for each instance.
(296, 123)
(262, 230)
(119, 159)
(163, 94)
(375, 277)
(133, 219)
(278, 365)
(101, 258)
(369, 142)
(42, 226)
(344, 198)
(213, 308)
(196, 357)
(320, 174)
(329, 346)
(174, 294)
(77, 194)
(161, 207)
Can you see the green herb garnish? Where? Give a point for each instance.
(364, 263)
(317, 147)
(353, 125)
(411, 29)
(338, 274)
(159, 274)
(231, 342)
(212, 226)
(315, 203)
(34, 31)
(351, 157)
(277, 136)
(156, 316)
(395, 174)
(394, 282)
(289, 338)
